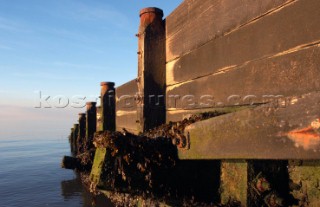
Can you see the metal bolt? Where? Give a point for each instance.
(175, 141)
(260, 184)
(180, 141)
(273, 200)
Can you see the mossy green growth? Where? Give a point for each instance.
(306, 175)
(97, 166)
(234, 181)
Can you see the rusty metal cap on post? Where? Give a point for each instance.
(151, 10)
(109, 84)
(91, 103)
(82, 115)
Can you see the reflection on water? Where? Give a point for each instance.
(71, 189)
(30, 175)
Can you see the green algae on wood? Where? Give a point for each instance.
(234, 182)
(264, 132)
(97, 165)
(305, 176)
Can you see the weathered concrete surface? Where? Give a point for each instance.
(234, 182)
(265, 132)
(305, 176)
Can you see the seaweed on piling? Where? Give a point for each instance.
(148, 164)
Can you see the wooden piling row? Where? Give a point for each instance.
(193, 65)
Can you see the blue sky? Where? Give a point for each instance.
(63, 48)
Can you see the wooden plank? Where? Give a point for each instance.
(234, 172)
(293, 26)
(133, 131)
(184, 13)
(125, 96)
(288, 75)
(265, 132)
(174, 115)
(126, 107)
(197, 22)
(131, 87)
(127, 120)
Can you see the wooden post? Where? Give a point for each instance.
(82, 133)
(74, 139)
(151, 69)
(234, 182)
(91, 123)
(108, 118)
(305, 176)
(71, 139)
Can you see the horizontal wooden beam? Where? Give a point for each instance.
(194, 22)
(295, 73)
(126, 107)
(293, 26)
(265, 132)
(175, 115)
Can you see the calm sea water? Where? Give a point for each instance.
(30, 175)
